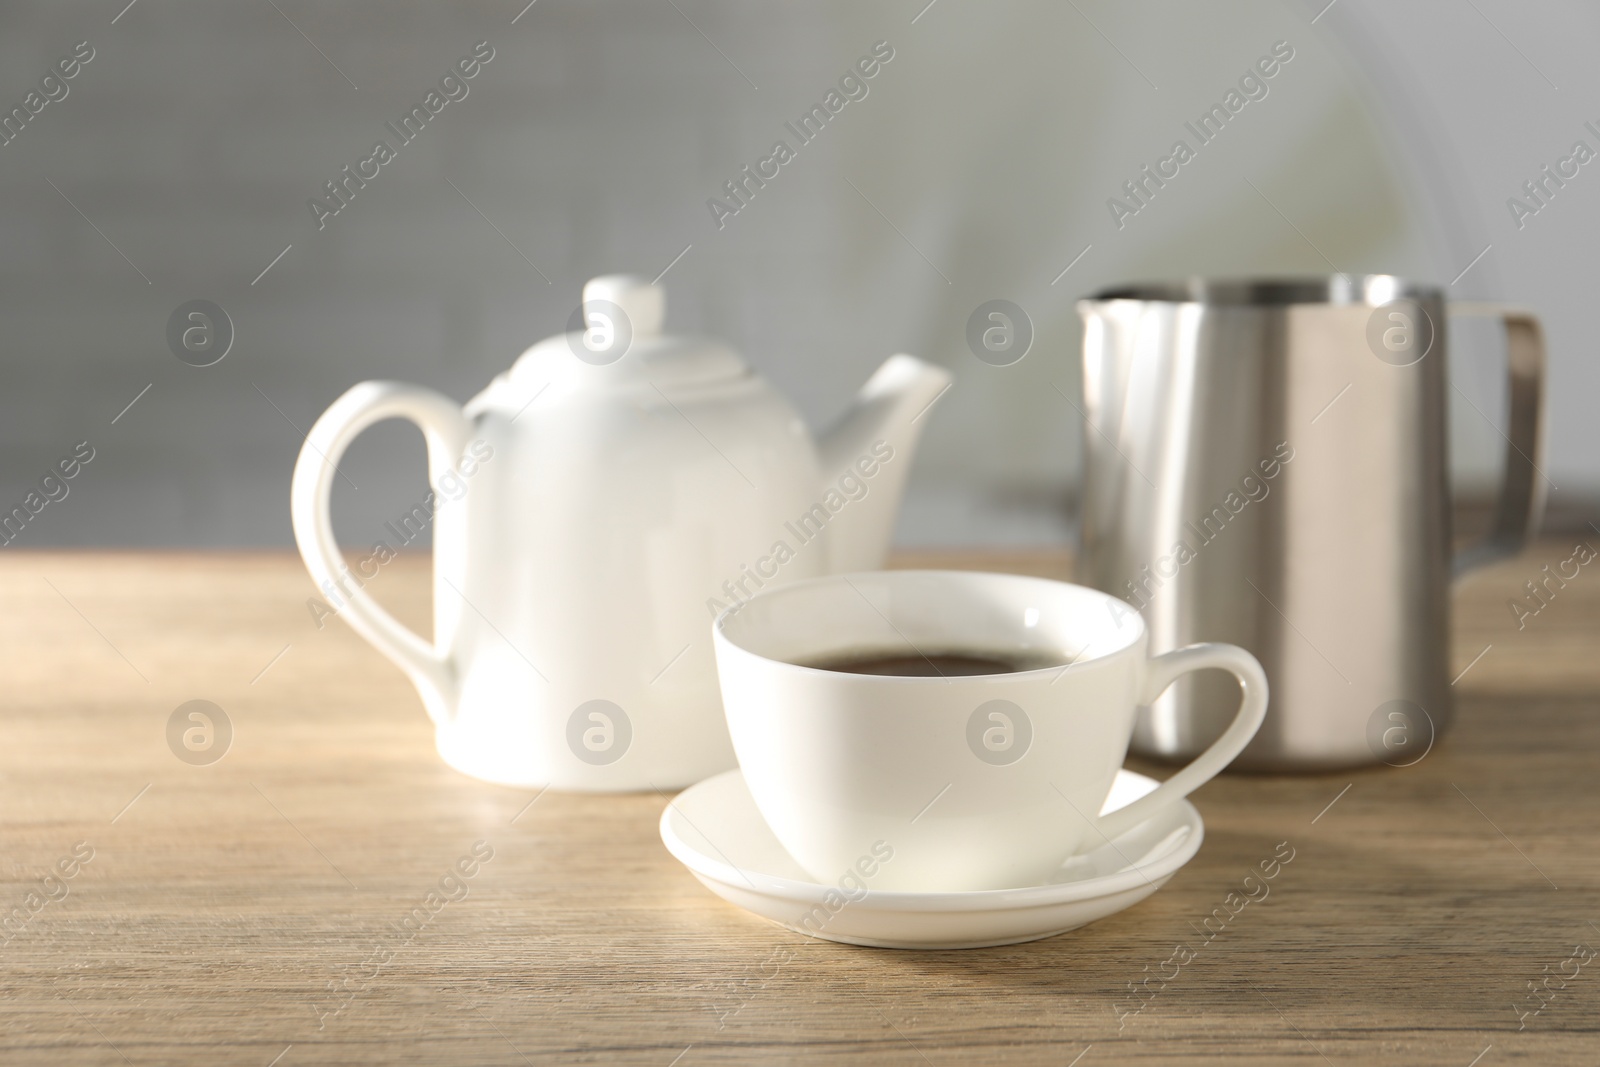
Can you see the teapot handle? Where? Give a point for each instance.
(446, 431)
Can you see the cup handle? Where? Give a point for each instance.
(1162, 671)
(1520, 504)
(446, 431)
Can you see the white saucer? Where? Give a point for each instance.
(714, 829)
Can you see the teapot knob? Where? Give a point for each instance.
(643, 302)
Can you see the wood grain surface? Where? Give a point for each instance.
(248, 911)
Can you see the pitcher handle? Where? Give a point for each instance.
(1520, 503)
(1161, 672)
(446, 431)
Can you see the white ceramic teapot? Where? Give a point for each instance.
(592, 510)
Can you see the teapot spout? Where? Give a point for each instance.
(867, 455)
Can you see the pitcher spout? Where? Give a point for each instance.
(867, 455)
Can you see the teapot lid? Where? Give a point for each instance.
(616, 337)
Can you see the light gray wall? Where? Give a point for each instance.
(978, 166)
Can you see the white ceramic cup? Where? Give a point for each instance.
(978, 782)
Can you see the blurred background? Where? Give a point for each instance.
(179, 165)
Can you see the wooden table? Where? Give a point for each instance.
(244, 912)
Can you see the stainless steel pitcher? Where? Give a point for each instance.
(1266, 465)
